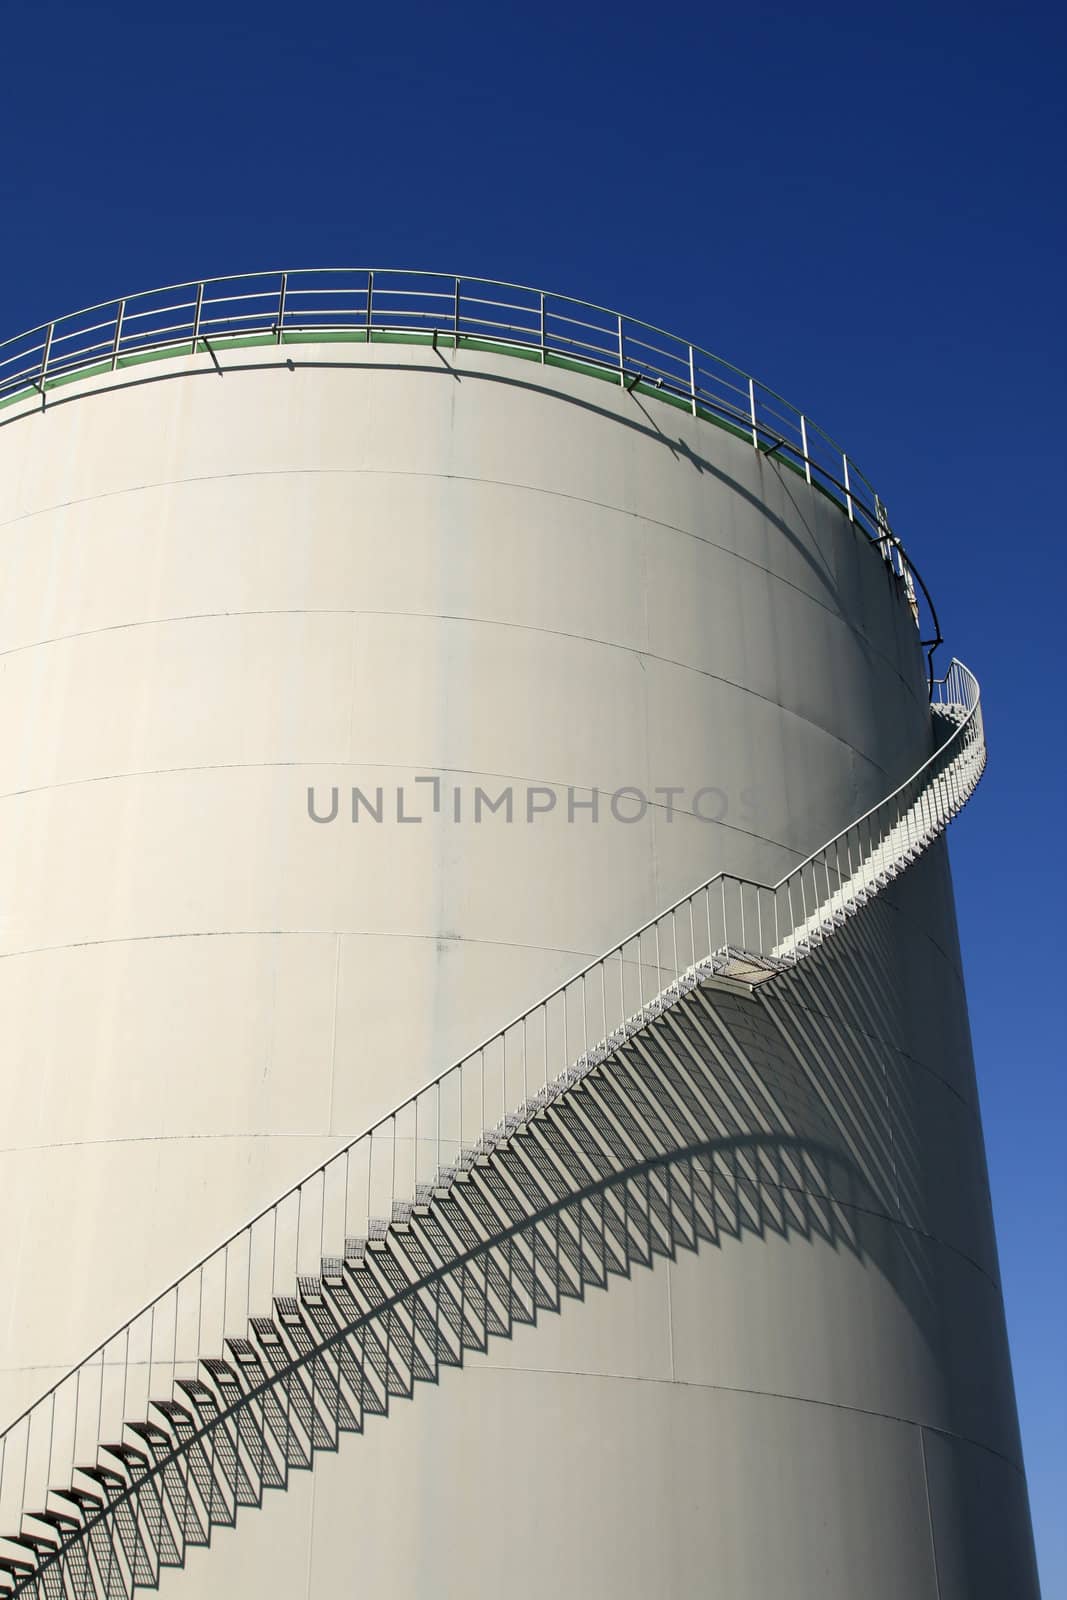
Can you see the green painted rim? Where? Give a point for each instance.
(447, 341)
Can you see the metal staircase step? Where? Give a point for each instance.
(271, 1422)
(43, 1551)
(362, 1358)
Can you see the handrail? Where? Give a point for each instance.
(454, 311)
(727, 926)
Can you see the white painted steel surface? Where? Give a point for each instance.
(325, 568)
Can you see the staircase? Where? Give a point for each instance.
(588, 1135)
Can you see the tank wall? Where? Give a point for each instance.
(334, 573)
(225, 590)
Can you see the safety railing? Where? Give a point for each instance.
(451, 312)
(728, 926)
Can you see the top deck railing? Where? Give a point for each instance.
(361, 304)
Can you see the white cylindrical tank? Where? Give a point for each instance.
(540, 655)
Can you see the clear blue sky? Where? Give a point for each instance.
(862, 205)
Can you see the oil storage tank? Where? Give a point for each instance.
(489, 1102)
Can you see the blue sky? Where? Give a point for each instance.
(863, 206)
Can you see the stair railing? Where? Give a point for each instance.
(729, 926)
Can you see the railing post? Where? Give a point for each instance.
(200, 1292)
(370, 302)
(622, 371)
(544, 342)
(370, 1186)
(52, 1425)
(883, 528)
(125, 1379)
(455, 318)
(848, 489)
(281, 308)
(566, 1032)
(804, 446)
(526, 1057)
(24, 1496)
(543, 1008)
(117, 340)
(197, 313)
(752, 412)
(46, 355)
(692, 382)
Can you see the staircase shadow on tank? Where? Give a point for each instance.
(730, 1117)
